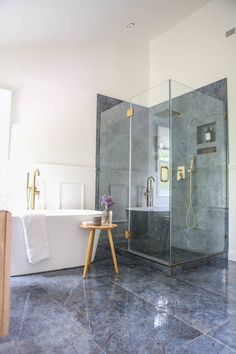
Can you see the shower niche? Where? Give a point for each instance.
(206, 138)
(206, 133)
(137, 159)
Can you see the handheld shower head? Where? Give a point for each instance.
(190, 217)
(191, 164)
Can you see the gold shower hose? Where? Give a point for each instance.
(190, 213)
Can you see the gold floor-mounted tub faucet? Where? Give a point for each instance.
(149, 191)
(32, 191)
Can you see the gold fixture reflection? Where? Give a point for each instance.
(180, 173)
(164, 174)
(32, 191)
(128, 235)
(130, 112)
(149, 191)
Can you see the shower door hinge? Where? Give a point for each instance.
(226, 115)
(130, 112)
(128, 234)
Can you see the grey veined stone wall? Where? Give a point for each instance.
(200, 111)
(193, 113)
(114, 157)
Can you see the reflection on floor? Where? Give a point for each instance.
(139, 310)
(152, 249)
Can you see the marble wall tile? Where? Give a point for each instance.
(198, 108)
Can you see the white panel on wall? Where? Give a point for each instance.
(40, 200)
(49, 182)
(72, 196)
(52, 195)
(55, 175)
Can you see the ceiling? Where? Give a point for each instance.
(24, 22)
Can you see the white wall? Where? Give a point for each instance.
(5, 117)
(54, 97)
(196, 52)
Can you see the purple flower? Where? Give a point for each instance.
(107, 201)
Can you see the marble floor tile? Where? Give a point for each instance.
(120, 322)
(75, 342)
(139, 310)
(60, 283)
(226, 333)
(204, 345)
(196, 306)
(102, 253)
(129, 259)
(220, 279)
(20, 347)
(34, 313)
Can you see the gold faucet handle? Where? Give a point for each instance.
(37, 192)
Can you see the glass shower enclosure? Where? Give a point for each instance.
(162, 156)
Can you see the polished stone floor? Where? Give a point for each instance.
(150, 247)
(140, 310)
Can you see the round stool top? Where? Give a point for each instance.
(99, 227)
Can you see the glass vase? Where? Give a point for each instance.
(107, 217)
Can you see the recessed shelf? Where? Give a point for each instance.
(206, 145)
(206, 150)
(201, 133)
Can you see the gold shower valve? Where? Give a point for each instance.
(130, 112)
(128, 235)
(180, 173)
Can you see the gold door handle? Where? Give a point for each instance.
(164, 174)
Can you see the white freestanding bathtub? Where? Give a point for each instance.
(67, 241)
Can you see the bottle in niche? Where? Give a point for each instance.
(208, 135)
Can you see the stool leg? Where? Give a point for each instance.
(91, 249)
(112, 250)
(90, 241)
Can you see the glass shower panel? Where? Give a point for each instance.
(113, 170)
(199, 180)
(149, 217)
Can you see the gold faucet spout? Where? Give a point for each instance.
(149, 191)
(28, 191)
(36, 172)
(33, 190)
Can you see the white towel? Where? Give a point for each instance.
(36, 237)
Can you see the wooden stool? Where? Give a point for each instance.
(92, 229)
(5, 260)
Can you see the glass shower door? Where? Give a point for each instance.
(165, 165)
(112, 173)
(149, 172)
(199, 195)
